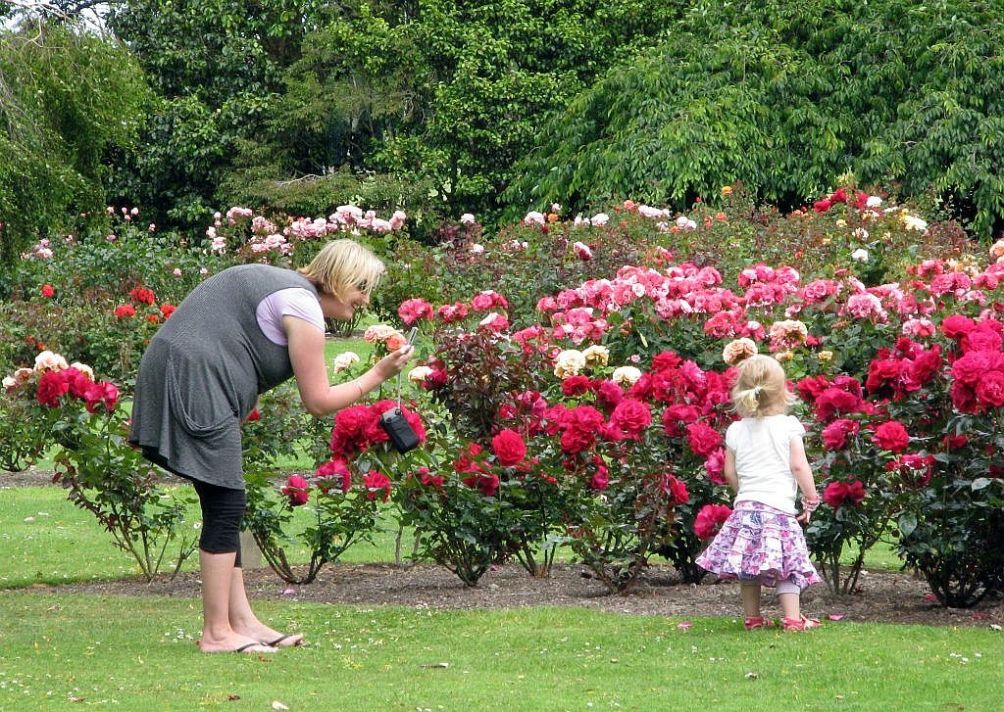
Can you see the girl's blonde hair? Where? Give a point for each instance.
(342, 265)
(761, 388)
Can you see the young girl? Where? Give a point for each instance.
(761, 542)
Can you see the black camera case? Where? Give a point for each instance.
(401, 434)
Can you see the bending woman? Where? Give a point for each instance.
(237, 335)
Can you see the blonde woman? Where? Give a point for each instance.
(761, 543)
(237, 335)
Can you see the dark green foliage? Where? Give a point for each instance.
(66, 97)
(786, 96)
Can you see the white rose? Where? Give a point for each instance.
(569, 363)
(49, 361)
(84, 369)
(625, 375)
(345, 360)
(418, 374)
(860, 255)
(596, 355)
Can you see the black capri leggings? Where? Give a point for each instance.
(222, 511)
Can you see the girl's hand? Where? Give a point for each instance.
(393, 363)
(808, 507)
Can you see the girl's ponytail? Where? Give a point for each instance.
(747, 400)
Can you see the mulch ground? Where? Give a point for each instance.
(882, 596)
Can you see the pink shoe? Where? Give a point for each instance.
(800, 624)
(757, 623)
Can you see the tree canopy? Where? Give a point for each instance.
(785, 97)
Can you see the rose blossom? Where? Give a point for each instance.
(625, 375)
(377, 485)
(509, 448)
(49, 361)
(710, 519)
(836, 433)
(738, 349)
(297, 490)
(703, 439)
(344, 361)
(891, 436)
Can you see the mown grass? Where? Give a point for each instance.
(138, 653)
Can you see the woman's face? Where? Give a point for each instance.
(343, 309)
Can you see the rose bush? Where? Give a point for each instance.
(103, 473)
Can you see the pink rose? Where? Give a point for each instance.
(296, 490)
(709, 520)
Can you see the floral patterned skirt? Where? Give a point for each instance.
(760, 543)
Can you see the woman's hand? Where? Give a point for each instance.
(393, 363)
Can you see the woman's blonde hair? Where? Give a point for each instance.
(761, 388)
(342, 265)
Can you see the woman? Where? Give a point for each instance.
(238, 334)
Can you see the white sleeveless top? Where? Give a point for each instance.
(287, 302)
(762, 448)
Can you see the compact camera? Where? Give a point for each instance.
(402, 435)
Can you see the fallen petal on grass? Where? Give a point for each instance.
(835, 617)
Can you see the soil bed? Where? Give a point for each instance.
(884, 596)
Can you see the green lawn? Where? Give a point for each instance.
(45, 539)
(138, 653)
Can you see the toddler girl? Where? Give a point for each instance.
(761, 542)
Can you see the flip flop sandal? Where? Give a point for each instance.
(277, 643)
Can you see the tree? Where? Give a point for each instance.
(66, 98)
(786, 97)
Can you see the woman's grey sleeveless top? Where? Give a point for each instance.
(203, 371)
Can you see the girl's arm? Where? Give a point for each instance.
(803, 477)
(731, 476)
(306, 354)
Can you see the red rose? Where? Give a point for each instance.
(914, 470)
(123, 311)
(167, 310)
(990, 390)
(104, 392)
(52, 386)
(600, 479)
(334, 474)
(891, 436)
(576, 386)
(377, 485)
(48, 291)
(487, 484)
(297, 490)
(710, 519)
(428, 479)
(253, 417)
(714, 465)
(956, 326)
(703, 439)
(963, 397)
(970, 367)
(836, 433)
(676, 489)
(954, 442)
(631, 417)
(142, 295)
(508, 447)
(678, 415)
(835, 493)
(608, 393)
